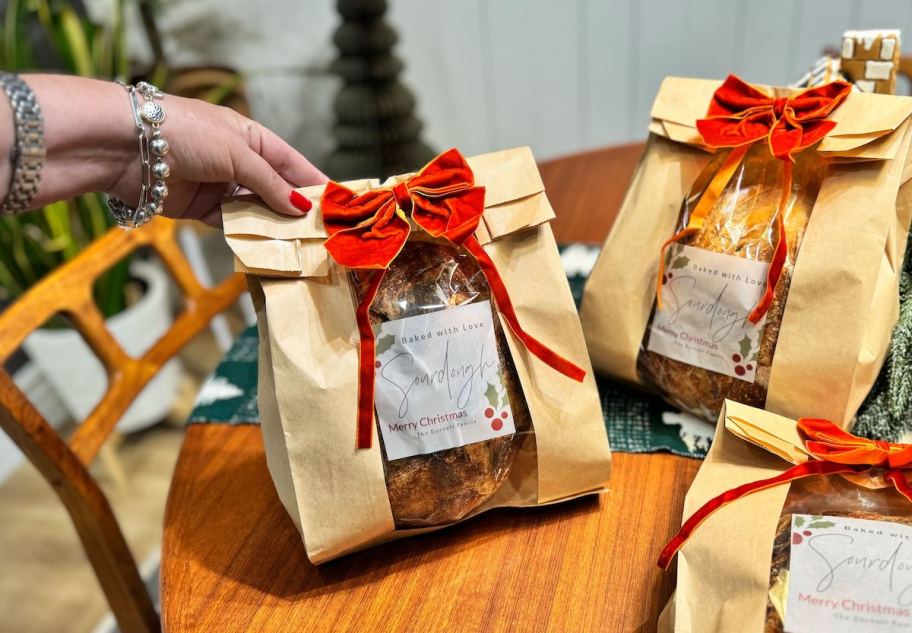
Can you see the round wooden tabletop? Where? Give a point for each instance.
(232, 560)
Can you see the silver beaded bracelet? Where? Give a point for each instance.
(148, 115)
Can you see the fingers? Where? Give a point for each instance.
(282, 157)
(255, 173)
(213, 217)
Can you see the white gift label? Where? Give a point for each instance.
(706, 299)
(438, 381)
(849, 576)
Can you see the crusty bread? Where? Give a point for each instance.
(741, 223)
(446, 486)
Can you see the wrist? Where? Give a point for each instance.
(89, 135)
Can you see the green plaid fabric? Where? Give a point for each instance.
(636, 422)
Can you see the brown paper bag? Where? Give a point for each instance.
(308, 372)
(737, 568)
(842, 301)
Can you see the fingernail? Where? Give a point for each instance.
(300, 202)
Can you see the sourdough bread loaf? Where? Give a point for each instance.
(446, 486)
(740, 224)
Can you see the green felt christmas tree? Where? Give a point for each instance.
(377, 133)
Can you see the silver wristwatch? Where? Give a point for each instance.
(27, 154)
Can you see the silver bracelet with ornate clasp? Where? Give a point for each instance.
(148, 116)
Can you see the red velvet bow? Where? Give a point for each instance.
(834, 451)
(368, 231)
(740, 115)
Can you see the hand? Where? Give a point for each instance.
(92, 146)
(212, 150)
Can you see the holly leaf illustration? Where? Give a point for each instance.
(821, 524)
(384, 343)
(680, 262)
(799, 521)
(492, 396)
(745, 344)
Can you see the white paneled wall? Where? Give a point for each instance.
(568, 75)
(559, 75)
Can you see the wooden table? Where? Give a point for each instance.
(232, 560)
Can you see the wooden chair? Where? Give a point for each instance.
(68, 291)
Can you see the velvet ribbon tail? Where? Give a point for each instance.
(366, 368)
(899, 481)
(704, 205)
(505, 307)
(807, 469)
(781, 249)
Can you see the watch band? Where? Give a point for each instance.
(27, 154)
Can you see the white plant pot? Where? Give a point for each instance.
(79, 377)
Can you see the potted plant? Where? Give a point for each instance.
(134, 295)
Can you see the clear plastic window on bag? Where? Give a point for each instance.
(454, 428)
(842, 558)
(700, 348)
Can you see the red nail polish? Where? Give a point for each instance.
(300, 202)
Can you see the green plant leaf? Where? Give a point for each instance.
(111, 288)
(9, 287)
(11, 41)
(99, 220)
(384, 343)
(102, 53)
(75, 33)
(821, 524)
(745, 345)
(17, 251)
(218, 94)
(799, 521)
(492, 396)
(680, 262)
(57, 215)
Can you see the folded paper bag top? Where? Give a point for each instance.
(862, 121)
(762, 471)
(823, 449)
(309, 356)
(846, 224)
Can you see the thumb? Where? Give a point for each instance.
(256, 174)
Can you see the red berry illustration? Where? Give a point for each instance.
(807, 532)
(504, 415)
(796, 538)
(496, 424)
(489, 412)
(378, 364)
(736, 358)
(749, 367)
(739, 370)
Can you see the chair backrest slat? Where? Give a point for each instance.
(68, 291)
